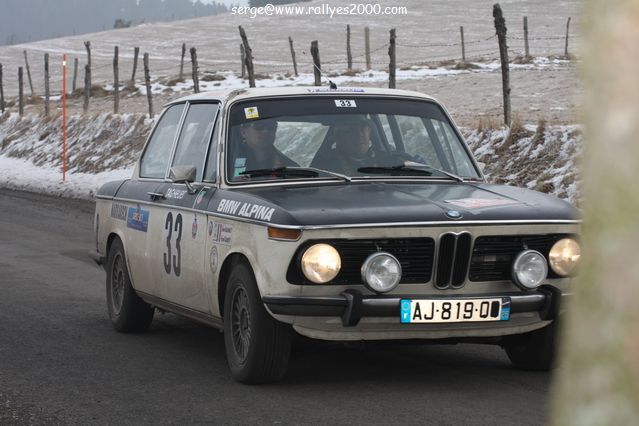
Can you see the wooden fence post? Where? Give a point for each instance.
(567, 33)
(392, 64)
(290, 42)
(75, 74)
(147, 83)
(20, 93)
(249, 57)
(349, 55)
(26, 63)
(87, 44)
(243, 60)
(1, 92)
(116, 80)
(461, 30)
(316, 61)
(526, 46)
(500, 27)
(182, 61)
(196, 81)
(87, 72)
(46, 85)
(367, 47)
(136, 52)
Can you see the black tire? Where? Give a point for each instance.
(533, 351)
(257, 346)
(128, 312)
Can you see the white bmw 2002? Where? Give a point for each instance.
(343, 215)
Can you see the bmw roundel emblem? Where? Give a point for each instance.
(453, 214)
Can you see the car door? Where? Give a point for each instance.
(136, 198)
(179, 255)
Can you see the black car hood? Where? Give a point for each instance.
(383, 202)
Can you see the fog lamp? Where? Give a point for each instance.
(381, 272)
(529, 269)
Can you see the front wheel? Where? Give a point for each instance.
(128, 312)
(257, 346)
(533, 351)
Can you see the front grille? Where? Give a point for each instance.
(414, 254)
(493, 256)
(452, 260)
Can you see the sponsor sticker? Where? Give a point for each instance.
(239, 166)
(200, 196)
(329, 90)
(176, 194)
(213, 259)
(247, 210)
(480, 203)
(137, 218)
(251, 113)
(194, 227)
(222, 233)
(118, 211)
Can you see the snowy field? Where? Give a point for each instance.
(429, 32)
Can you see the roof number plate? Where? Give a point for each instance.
(345, 103)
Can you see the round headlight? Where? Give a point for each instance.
(529, 269)
(564, 256)
(381, 272)
(321, 263)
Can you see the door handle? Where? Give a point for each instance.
(156, 196)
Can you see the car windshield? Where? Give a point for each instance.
(349, 136)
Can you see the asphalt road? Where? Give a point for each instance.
(61, 362)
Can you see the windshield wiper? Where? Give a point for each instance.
(293, 172)
(428, 166)
(408, 167)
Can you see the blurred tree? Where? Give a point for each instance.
(598, 378)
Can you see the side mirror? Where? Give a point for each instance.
(182, 174)
(185, 175)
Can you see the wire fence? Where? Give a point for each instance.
(475, 49)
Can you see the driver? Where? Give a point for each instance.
(256, 151)
(353, 146)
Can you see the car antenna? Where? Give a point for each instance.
(331, 85)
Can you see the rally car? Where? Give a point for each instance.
(344, 214)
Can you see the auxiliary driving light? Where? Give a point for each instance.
(529, 269)
(564, 256)
(321, 263)
(381, 272)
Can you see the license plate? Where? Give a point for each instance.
(454, 310)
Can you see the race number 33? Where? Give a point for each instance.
(345, 103)
(173, 260)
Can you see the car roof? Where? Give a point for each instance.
(223, 95)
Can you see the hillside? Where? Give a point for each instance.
(429, 32)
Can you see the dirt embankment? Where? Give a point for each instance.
(94, 143)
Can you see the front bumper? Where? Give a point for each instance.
(352, 305)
